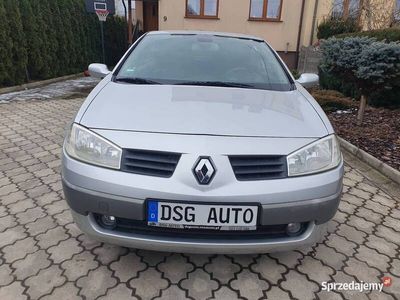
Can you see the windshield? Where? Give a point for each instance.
(204, 60)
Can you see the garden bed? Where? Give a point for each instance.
(379, 135)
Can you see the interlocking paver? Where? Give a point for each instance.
(269, 269)
(299, 286)
(174, 293)
(330, 256)
(149, 284)
(107, 253)
(5, 275)
(19, 249)
(341, 245)
(13, 291)
(79, 265)
(372, 257)
(121, 291)
(249, 285)
(51, 237)
(66, 291)
(182, 267)
(278, 293)
(31, 264)
(64, 250)
(43, 253)
(45, 281)
(128, 266)
(7, 222)
(225, 293)
(96, 283)
(315, 270)
(361, 270)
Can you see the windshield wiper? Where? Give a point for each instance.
(216, 83)
(135, 80)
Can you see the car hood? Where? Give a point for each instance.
(203, 110)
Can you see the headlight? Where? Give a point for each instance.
(85, 145)
(319, 156)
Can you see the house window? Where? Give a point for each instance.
(265, 10)
(202, 9)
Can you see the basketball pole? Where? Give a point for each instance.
(102, 42)
(130, 33)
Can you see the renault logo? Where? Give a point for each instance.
(204, 170)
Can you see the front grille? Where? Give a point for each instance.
(151, 163)
(258, 167)
(141, 227)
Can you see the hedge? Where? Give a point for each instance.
(384, 98)
(43, 39)
(387, 34)
(333, 26)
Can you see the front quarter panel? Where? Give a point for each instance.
(91, 97)
(317, 108)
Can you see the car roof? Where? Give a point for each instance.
(198, 32)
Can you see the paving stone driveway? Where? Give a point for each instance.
(44, 256)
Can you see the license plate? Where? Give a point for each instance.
(201, 216)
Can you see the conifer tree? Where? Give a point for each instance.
(33, 38)
(19, 56)
(5, 48)
(51, 37)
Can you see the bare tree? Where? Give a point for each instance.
(370, 14)
(377, 14)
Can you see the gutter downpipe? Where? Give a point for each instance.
(314, 21)
(299, 35)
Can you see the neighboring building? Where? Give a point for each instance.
(120, 9)
(286, 24)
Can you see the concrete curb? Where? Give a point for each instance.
(372, 161)
(36, 84)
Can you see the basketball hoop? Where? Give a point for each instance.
(102, 14)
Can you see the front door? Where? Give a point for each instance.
(150, 15)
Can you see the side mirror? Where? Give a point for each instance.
(308, 80)
(98, 70)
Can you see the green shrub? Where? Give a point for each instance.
(331, 100)
(387, 34)
(362, 66)
(41, 39)
(5, 48)
(296, 74)
(335, 26)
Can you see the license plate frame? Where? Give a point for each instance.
(150, 221)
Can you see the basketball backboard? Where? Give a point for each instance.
(93, 5)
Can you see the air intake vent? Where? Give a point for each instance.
(258, 167)
(151, 163)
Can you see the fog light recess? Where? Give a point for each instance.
(108, 221)
(293, 229)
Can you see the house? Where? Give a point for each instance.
(286, 24)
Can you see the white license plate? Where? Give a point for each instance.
(202, 216)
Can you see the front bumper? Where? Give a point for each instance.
(193, 245)
(89, 190)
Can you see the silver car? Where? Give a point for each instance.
(202, 142)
